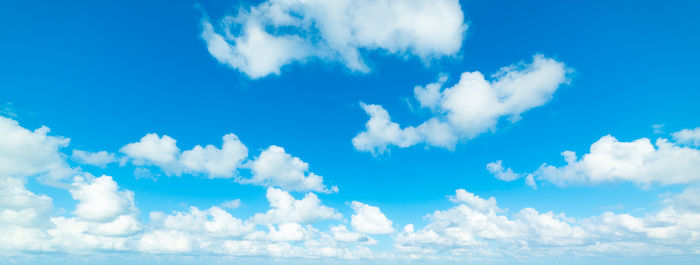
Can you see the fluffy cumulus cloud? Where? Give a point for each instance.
(105, 216)
(25, 153)
(611, 160)
(261, 39)
(210, 160)
(22, 215)
(370, 219)
(273, 167)
(214, 161)
(101, 199)
(155, 150)
(472, 106)
(478, 227)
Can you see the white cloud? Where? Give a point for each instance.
(26, 153)
(287, 232)
(638, 161)
(342, 234)
(472, 106)
(153, 149)
(20, 206)
(274, 167)
(476, 222)
(285, 209)
(100, 159)
(381, 132)
(105, 217)
(17, 239)
(100, 199)
(216, 162)
(160, 241)
(214, 222)
(478, 227)
(370, 219)
(262, 39)
(687, 136)
(502, 173)
(22, 215)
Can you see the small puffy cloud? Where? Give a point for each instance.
(502, 173)
(274, 167)
(638, 161)
(255, 53)
(370, 219)
(153, 149)
(25, 153)
(100, 159)
(474, 201)
(216, 162)
(687, 137)
(472, 106)
(285, 209)
(261, 39)
(381, 132)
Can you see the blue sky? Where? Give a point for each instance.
(107, 74)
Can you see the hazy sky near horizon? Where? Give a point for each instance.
(349, 132)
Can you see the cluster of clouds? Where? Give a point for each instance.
(471, 107)
(639, 161)
(259, 40)
(105, 216)
(273, 167)
(285, 230)
(478, 227)
(105, 219)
